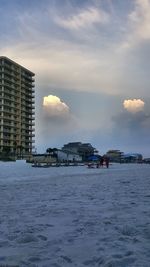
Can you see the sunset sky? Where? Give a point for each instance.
(91, 60)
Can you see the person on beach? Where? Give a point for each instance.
(107, 162)
(97, 165)
(101, 162)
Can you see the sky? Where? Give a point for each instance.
(91, 65)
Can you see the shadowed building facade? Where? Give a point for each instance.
(16, 109)
(83, 149)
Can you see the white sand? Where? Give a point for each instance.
(74, 216)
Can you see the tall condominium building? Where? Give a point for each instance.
(16, 109)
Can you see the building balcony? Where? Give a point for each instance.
(9, 118)
(12, 87)
(10, 98)
(7, 123)
(8, 138)
(11, 73)
(27, 113)
(31, 147)
(27, 118)
(11, 81)
(10, 131)
(12, 125)
(12, 110)
(8, 105)
(27, 76)
(26, 143)
(7, 66)
(24, 96)
(9, 92)
(28, 106)
(26, 87)
(29, 134)
(27, 82)
(32, 135)
(29, 101)
(32, 129)
(29, 123)
(29, 98)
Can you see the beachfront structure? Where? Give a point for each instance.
(55, 157)
(132, 158)
(115, 155)
(83, 149)
(16, 109)
(146, 160)
(118, 156)
(64, 155)
(68, 156)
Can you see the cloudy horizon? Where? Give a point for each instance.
(91, 64)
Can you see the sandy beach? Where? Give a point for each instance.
(74, 216)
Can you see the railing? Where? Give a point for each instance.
(12, 72)
(9, 92)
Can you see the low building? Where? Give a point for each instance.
(84, 150)
(146, 160)
(42, 158)
(68, 156)
(132, 158)
(58, 157)
(115, 155)
(72, 147)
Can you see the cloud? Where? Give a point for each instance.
(138, 26)
(131, 126)
(84, 19)
(140, 19)
(54, 108)
(130, 131)
(132, 122)
(55, 123)
(66, 65)
(83, 60)
(133, 105)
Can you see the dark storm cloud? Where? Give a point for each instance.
(132, 121)
(131, 131)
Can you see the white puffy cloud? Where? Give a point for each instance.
(83, 19)
(54, 107)
(133, 105)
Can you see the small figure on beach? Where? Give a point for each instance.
(97, 165)
(101, 162)
(107, 162)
